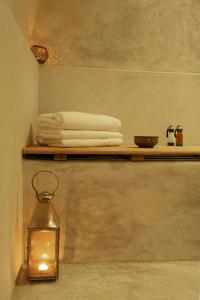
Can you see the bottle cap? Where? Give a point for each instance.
(170, 128)
(179, 128)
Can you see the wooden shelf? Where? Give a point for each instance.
(132, 152)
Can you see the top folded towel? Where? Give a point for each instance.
(78, 120)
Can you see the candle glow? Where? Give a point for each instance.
(43, 267)
(45, 256)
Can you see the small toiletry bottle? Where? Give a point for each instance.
(179, 136)
(170, 136)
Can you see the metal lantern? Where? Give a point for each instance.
(43, 237)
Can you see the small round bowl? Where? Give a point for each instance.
(146, 141)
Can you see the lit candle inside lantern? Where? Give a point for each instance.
(43, 267)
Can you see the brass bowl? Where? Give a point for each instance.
(146, 141)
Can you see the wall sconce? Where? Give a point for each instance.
(43, 237)
(40, 53)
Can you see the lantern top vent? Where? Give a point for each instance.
(45, 196)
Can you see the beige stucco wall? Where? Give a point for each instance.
(25, 12)
(154, 35)
(136, 60)
(19, 104)
(122, 210)
(146, 102)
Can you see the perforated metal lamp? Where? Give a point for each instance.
(43, 237)
(40, 53)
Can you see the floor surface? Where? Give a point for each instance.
(118, 281)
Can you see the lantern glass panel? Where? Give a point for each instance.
(42, 260)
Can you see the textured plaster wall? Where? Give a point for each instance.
(146, 102)
(136, 60)
(25, 12)
(19, 104)
(149, 34)
(124, 280)
(122, 211)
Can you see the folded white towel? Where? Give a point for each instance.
(85, 143)
(78, 120)
(49, 135)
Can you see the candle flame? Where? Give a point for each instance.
(43, 267)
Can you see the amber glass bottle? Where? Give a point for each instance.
(179, 136)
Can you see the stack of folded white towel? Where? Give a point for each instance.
(77, 129)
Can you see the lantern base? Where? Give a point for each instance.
(38, 270)
(21, 278)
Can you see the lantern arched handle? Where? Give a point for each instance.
(45, 171)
